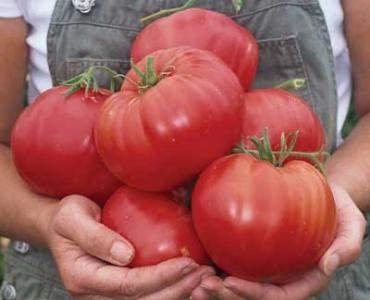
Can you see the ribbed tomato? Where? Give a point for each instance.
(281, 111)
(157, 134)
(53, 146)
(202, 29)
(263, 223)
(157, 226)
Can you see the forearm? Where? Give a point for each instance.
(23, 214)
(350, 164)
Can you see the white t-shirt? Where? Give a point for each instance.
(38, 14)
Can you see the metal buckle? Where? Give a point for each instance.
(83, 6)
(21, 247)
(8, 292)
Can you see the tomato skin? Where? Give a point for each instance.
(53, 146)
(158, 227)
(263, 223)
(202, 29)
(281, 111)
(160, 139)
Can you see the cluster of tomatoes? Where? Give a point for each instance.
(184, 116)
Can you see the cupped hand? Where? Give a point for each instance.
(91, 259)
(345, 249)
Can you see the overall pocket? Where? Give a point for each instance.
(280, 59)
(75, 66)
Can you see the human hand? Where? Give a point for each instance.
(91, 259)
(345, 249)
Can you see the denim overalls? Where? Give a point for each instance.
(293, 42)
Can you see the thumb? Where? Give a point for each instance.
(346, 247)
(78, 220)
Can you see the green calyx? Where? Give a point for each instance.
(88, 81)
(288, 142)
(148, 78)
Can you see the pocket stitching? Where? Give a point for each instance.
(272, 6)
(304, 70)
(300, 66)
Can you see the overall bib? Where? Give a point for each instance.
(293, 43)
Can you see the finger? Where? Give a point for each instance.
(214, 288)
(346, 247)
(200, 294)
(183, 288)
(137, 282)
(308, 285)
(77, 220)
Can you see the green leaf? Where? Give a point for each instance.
(150, 76)
(283, 149)
(113, 85)
(238, 5)
(137, 70)
(257, 142)
(72, 90)
(292, 138)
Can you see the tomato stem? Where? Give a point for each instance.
(263, 150)
(165, 12)
(149, 78)
(88, 81)
(292, 84)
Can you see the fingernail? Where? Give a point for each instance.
(121, 252)
(331, 264)
(188, 269)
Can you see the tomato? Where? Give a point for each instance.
(53, 146)
(157, 136)
(263, 223)
(158, 227)
(281, 111)
(202, 29)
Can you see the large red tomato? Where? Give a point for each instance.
(202, 29)
(157, 226)
(260, 222)
(281, 111)
(157, 136)
(53, 146)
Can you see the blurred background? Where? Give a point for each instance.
(3, 245)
